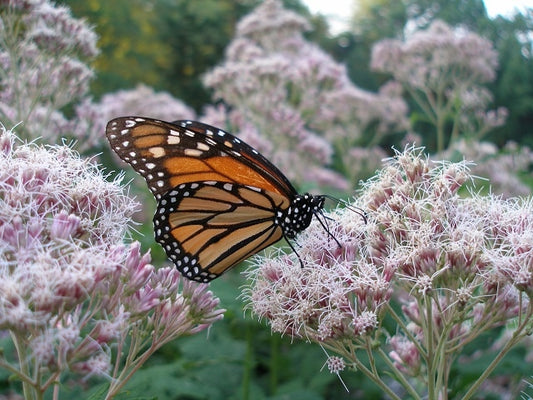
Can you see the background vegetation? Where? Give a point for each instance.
(170, 45)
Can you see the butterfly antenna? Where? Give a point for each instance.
(356, 210)
(325, 225)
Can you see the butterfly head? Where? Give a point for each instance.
(299, 214)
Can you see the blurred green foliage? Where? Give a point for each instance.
(170, 44)
(166, 44)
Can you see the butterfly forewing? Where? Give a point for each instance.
(169, 154)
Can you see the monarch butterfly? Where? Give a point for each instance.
(219, 201)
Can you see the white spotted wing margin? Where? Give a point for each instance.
(207, 227)
(149, 146)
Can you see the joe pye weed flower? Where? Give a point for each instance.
(74, 301)
(459, 266)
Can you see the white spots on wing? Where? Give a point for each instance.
(228, 187)
(193, 152)
(157, 151)
(150, 165)
(173, 140)
(202, 146)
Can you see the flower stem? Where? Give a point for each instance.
(430, 359)
(398, 375)
(28, 386)
(518, 334)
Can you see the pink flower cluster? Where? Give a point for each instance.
(292, 101)
(71, 294)
(337, 296)
(499, 166)
(443, 69)
(459, 266)
(142, 100)
(431, 57)
(43, 63)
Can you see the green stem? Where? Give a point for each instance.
(375, 378)
(398, 375)
(430, 361)
(274, 363)
(349, 353)
(440, 132)
(425, 105)
(127, 373)
(517, 336)
(455, 130)
(28, 385)
(442, 366)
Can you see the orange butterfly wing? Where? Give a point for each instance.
(207, 227)
(219, 200)
(169, 154)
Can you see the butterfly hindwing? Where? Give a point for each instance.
(206, 227)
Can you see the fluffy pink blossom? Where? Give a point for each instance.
(142, 100)
(443, 69)
(499, 166)
(72, 296)
(44, 62)
(459, 267)
(291, 100)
